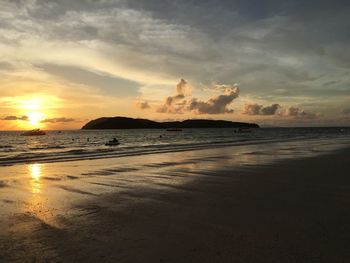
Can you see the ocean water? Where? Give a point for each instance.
(90, 144)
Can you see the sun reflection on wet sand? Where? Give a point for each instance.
(37, 205)
(35, 174)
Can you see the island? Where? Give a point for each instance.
(131, 123)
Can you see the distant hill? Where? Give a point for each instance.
(130, 123)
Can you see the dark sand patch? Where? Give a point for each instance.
(7, 201)
(72, 177)
(108, 172)
(121, 186)
(51, 178)
(162, 164)
(122, 169)
(75, 190)
(3, 184)
(98, 173)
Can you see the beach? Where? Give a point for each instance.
(174, 131)
(228, 204)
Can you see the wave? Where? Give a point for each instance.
(46, 148)
(5, 146)
(99, 153)
(80, 145)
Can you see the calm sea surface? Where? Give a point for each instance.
(90, 144)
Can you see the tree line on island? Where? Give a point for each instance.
(131, 123)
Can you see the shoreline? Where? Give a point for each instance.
(195, 206)
(81, 145)
(149, 149)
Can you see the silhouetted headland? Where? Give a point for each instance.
(130, 123)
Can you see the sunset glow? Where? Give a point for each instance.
(266, 68)
(31, 104)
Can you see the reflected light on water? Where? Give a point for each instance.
(35, 174)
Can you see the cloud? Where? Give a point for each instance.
(299, 113)
(276, 109)
(216, 105)
(106, 84)
(5, 66)
(178, 104)
(256, 109)
(15, 118)
(58, 120)
(270, 110)
(153, 42)
(143, 105)
(292, 111)
(346, 111)
(182, 88)
(252, 109)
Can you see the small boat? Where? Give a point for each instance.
(35, 132)
(174, 129)
(243, 130)
(113, 142)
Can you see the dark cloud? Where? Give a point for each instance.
(292, 111)
(15, 118)
(270, 110)
(299, 113)
(252, 109)
(216, 105)
(256, 109)
(346, 111)
(276, 109)
(58, 120)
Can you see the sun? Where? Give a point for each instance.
(34, 111)
(35, 118)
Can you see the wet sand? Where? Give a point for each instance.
(200, 206)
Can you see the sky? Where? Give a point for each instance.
(276, 63)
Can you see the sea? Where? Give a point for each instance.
(58, 146)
